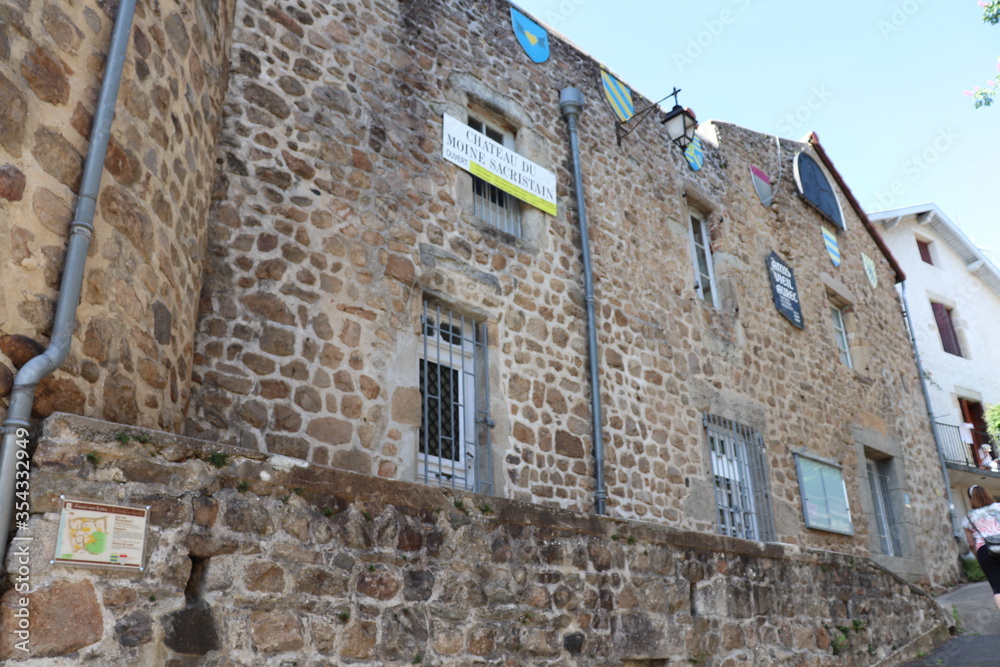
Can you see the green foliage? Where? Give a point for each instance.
(144, 438)
(152, 598)
(958, 618)
(242, 486)
(367, 516)
(991, 12)
(284, 498)
(218, 459)
(419, 658)
(984, 97)
(122, 437)
(298, 490)
(970, 566)
(329, 511)
(839, 643)
(344, 615)
(631, 539)
(485, 508)
(94, 458)
(993, 421)
(459, 503)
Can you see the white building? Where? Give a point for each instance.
(952, 291)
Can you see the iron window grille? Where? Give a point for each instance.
(490, 203)
(454, 441)
(701, 255)
(739, 470)
(885, 521)
(840, 335)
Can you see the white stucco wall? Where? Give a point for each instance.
(976, 315)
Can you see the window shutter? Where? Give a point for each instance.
(949, 339)
(925, 251)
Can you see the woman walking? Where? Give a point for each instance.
(984, 519)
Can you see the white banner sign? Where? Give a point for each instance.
(481, 156)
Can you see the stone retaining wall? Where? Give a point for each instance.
(262, 560)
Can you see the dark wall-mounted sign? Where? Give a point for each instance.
(784, 291)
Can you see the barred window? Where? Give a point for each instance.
(739, 469)
(490, 203)
(454, 439)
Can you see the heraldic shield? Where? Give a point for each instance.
(532, 37)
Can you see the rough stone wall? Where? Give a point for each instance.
(131, 353)
(264, 560)
(336, 217)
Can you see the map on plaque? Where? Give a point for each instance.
(102, 535)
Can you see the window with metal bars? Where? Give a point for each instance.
(701, 255)
(454, 440)
(490, 203)
(739, 471)
(885, 520)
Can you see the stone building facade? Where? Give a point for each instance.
(291, 292)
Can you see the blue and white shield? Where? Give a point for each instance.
(532, 37)
(832, 246)
(695, 154)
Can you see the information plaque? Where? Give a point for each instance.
(784, 291)
(101, 535)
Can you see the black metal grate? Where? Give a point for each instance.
(739, 470)
(454, 439)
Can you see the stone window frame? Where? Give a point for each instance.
(841, 298)
(483, 121)
(746, 464)
(881, 481)
(698, 204)
(475, 422)
(470, 96)
(877, 445)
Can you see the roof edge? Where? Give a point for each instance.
(813, 141)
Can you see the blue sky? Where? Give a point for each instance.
(880, 83)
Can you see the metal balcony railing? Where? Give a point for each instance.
(982, 452)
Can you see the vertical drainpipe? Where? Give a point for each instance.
(930, 416)
(571, 104)
(17, 424)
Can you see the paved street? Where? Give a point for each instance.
(979, 640)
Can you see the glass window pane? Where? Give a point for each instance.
(824, 496)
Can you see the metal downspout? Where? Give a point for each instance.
(17, 424)
(571, 104)
(930, 416)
